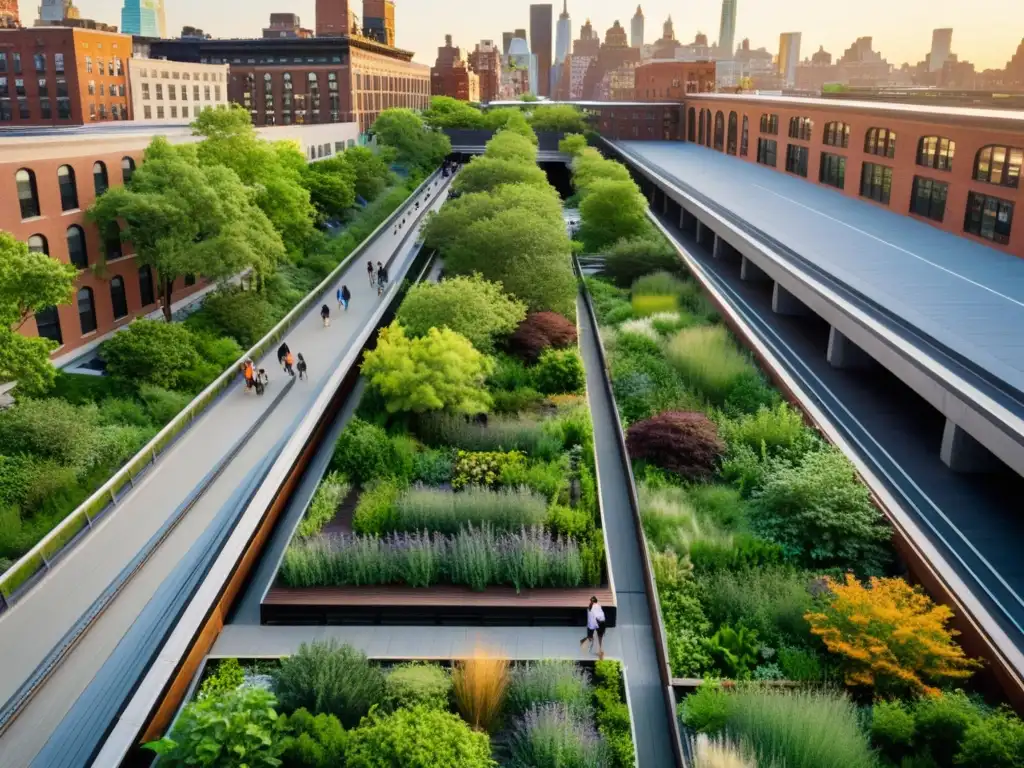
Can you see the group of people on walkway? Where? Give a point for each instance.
(378, 277)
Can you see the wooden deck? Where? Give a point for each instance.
(441, 604)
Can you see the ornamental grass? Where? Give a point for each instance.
(479, 686)
(553, 736)
(498, 434)
(709, 362)
(548, 682)
(476, 557)
(441, 511)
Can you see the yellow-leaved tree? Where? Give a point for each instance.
(891, 636)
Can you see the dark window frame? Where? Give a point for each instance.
(876, 182)
(936, 152)
(797, 159)
(880, 142)
(68, 186)
(28, 193)
(745, 137)
(836, 134)
(147, 292)
(832, 170)
(87, 313)
(118, 297)
(100, 177)
(982, 217)
(768, 152)
(1009, 168)
(79, 258)
(928, 198)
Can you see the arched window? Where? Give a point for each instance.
(936, 152)
(730, 145)
(719, 130)
(146, 295)
(801, 128)
(112, 241)
(702, 129)
(99, 177)
(118, 298)
(999, 165)
(77, 253)
(48, 324)
(86, 311)
(707, 121)
(745, 137)
(837, 134)
(38, 244)
(881, 142)
(28, 195)
(128, 164)
(68, 188)
(691, 125)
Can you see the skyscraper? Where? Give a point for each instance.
(789, 57)
(541, 23)
(563, 34)
(727, 31)
(140, 17)
(942, 45)
(506, 40)
(636, 29)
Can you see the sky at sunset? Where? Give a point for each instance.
(901, 28)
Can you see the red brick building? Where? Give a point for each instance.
(671, 80)
(485, 62)
(451, 75)
(959, 169)
(63, 76)
(9, 16)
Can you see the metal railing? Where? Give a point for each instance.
(18, 579)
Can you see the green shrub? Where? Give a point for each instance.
(592, 558)
(685, 443)
(82, 389)
(994, 742)
(442, 511)
(228, 676)
(671, 521)
(708, 360)
(509, 374)
(527, 435)
(375, 509)
(115, 445)
(942, 721)
(483, 468)
(547, 682)
(245, 316)
(364, 453)
(892, 728)
(686, 626)
(150, 352)
(745, 469)
(613, 714)
(658, 284)
(567, 521)
(325, 503)
(417, 738)
(558, 371)
(238, 729)
(720, 504)
(28, 482)
(162, 404)
(734, 651)
(325, 677)
(541, 331)
(122, 411)
(552, 736)
(617, 313)
(822, 515)
(779, 431)
(316, 742)
(51, 429)
(644, 382)
(516, 401)
(708, 709)
(750, 393)
(432, 467)
(800, 665)
(418, 684)
(629, 259)
(643, 306)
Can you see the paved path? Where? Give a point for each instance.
(966, 295)
(41, 619)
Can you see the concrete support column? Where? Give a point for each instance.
(664, 202)
(682, 218)
(785, 303)
(750, 272)
(700, 232)
(843, 353)
(962, 453)
(718, 251)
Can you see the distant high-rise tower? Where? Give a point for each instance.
(727, 31)
(140, 17)
(563, 34)
(541, 23)
(521, 34)
(379, 21)
(161, 18)
(942, 45)
(789, 57)
(636, 29)
(506, 40)
(333, 18)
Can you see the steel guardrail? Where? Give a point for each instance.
(20, 577)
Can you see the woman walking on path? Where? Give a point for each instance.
(282, 351)
(380, 278)
(301, 366)
(325, 315)
(369, 271)
(595, 623)
(346, 296)
(248, 370)
(289, 361)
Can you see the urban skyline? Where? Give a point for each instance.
(902, 32)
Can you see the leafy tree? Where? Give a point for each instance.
(439, 371)
(29, 282)
(559, 371)
(239, 729)
(484, 174)
(891, 637)
(572, 144)
(471, 306)
(370, 169)
(150, 352)
(590, 166)
(446, 112)
(559, 118)
(496, 119)
(529, 256)
(331, 185)
(612, 210)
(186, 219)
(274, 170)
(516, 122)
(631, 258)
(50, 428)
(415, 145)
(511, 146)
(417, 738)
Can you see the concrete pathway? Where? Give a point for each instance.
(39, 621)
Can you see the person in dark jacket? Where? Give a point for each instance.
(325, 315)
(282, 353)
(301, 367)
(346, 296)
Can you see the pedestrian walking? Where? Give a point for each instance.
(289, 363)
(382, 278)
(301, 366)
(595, 625)
(248, 370)
(281, 352)
(346, 296)
(369, 271)
(325, 315)
(337, 295)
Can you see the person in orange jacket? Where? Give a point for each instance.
(289, 363)
(249, 372)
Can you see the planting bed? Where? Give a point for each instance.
(773, 566)
(330, 706)
(484, 511)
